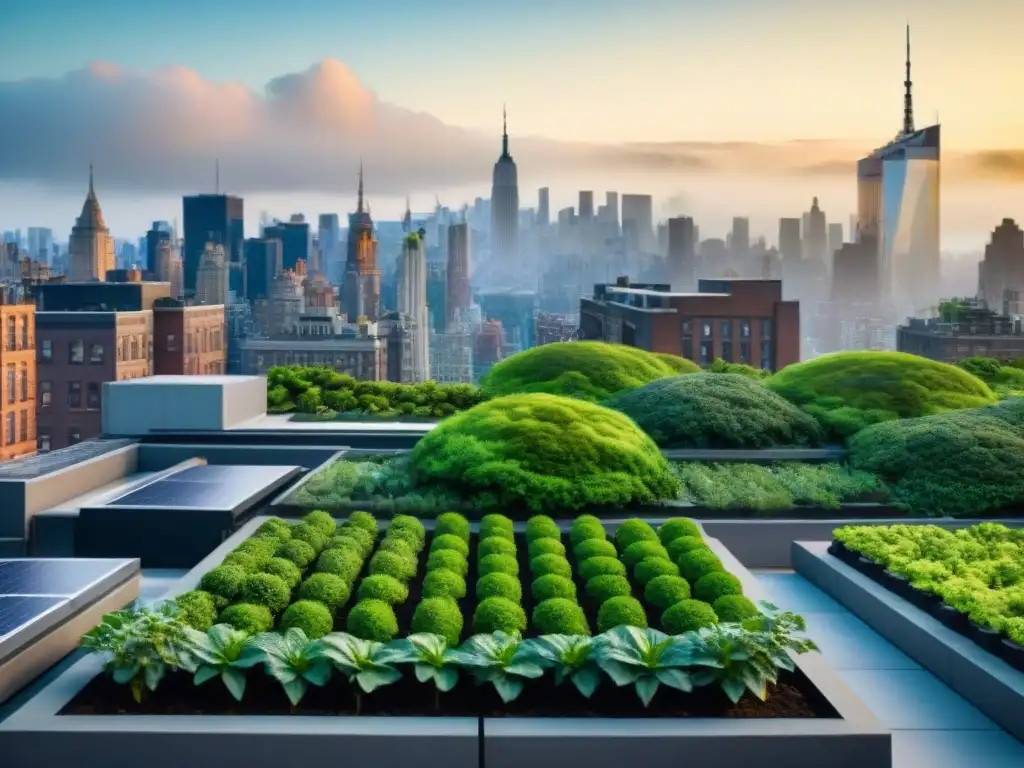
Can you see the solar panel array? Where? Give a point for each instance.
(204, 487)
(42, 464)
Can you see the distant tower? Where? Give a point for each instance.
(505, 207)
(412, 305)
(212, 276)
(908, 95)
(91, 248)
(362, 274)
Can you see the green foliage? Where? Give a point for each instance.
(299, 552)
(712, 586)
(367, 664)
(453, 524)
(352, 537)
(676, 363)
(363, 521)
(560, 616)
(641, 550)
(544, 453)
(431, 658)
(450, 541)
(588, 370)
(677, 527)
(573, 657)
(697, 563)
(223, 652)
(542, 527)
(546, 547)
(848, 391)
(586, 528)
(392, 564)
(601, 589)
(315, 537)
(259, 548)
(494, 524)
(688, 616)
(499, 614)
(448, 560)
(276, 528)
(678, 547)
(1005, 380)
(601, 565)
(294, 661)
(633, 530)
(498, 564)
(248, 617)
(594, 548)
(383, 587)
(734, 608)
(223, 582)
(320, 520)
(726, 411)
(244, 560)
(542, 565)
(665, 591)
(409, 529)
(265, 589)
(311, 616)
(495, 545)
(500, 659)
(372, 620)
(197, 609)
(499, 585)
(738, 369)
(551, 586)
(643, 658)
(621, 611)
(444, 583)
(438, 616)
(652, 567)
(285, 570)
(345, 563)
(399, 545)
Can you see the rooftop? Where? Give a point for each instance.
(42, 464)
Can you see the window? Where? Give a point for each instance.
(766, 328)
(727, 329)
(705, 330)
(705, 353)
(12, 429)
(24, 332)
(24, 382)
(12, 333)
(74, 394)
(687, 338)
(727, 351)
(125, 349)
(745, 329)
(43, 441)
(766, 355)
(76, 352)
(95, 353)
(23, 433)
(172, 343)
(92, 396)
(74, 435)
(12, 374)
(45, 393)
(745, 352)
(46, 351)
(135, 348)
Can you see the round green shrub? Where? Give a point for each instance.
(542, 527)
(499, 585)
(498, 533)
(539, 547)
(312, 536)
(631, 531)
(559, 616)
(224, 581)
(244, 560)
(697, 563)
(276, 528)
(265, 589)
(438, 616)
(676, 527)
(604, 588)
(452, 524)
(372, 620)
(444, 583)
(498, 614)
(364, 521)
(398, 545)
(197, 609)
(450, 541)
(299, 552)
(621, 611)
(545, 453)
(383, 587)
(247, 617)
(495, 546)
(409, 528)
(601, 566)
(588, 370)
(641, 550)
(688, 616)
(712, 586)
(312, 617)
(734, 609)
(351, 536)
(589, 548)
(586, 528)
(393, 564)
(652, 567)
(665, 591)
(542, 565)
(327, 588)
(551, 586)
(848, 391)
(261, 549)
(498, 564)
(345, 563)
(447, 560)
(288, 571)
(678, 547)
(322, 521)
(721, 411)
(495, 523)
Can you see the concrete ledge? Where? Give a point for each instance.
(986, 681)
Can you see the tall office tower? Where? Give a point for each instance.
(412, 305)
(740, 237)
(158, 234)
(168, 267)
(40, 243)
(459, 297)
(264, 259)
(682, 254)
(611, 201)
(854, 228)
(362, 271)
(91, 247)
(586, 205)
(898, 210)
(1001, 271)
(815, 234)
(329, 236)
(216, 219)
(543, 207)
(505, 208)
(639, 211)
(835, 239)
(790, 243)
(212, 276)
(294, 237)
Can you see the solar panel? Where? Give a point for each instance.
(61, 578)
(204, 487)
(16, 612)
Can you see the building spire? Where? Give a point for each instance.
(908, 97)
(92, 192)
(504, 131)
(359, 202)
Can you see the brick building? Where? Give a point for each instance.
(18, 386)
(188, 340)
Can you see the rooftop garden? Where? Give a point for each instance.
(326, 618)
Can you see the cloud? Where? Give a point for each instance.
(161, 131)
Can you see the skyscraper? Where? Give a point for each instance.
(586, 212)
(362, 272)
(682, 254)
(543, 207)
(158, 234)
(816, 235)
(789, 239)
(412, 305)
(294, 237)
(638, 212)
(329, 233)
(212, 276)
(740, 237)
(1001, 272)
(458, 294)
(835, 239)
(611, 202)
(505, 208)
(218, 219)
(91, 247)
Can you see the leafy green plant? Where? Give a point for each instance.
(224, 652)
(645, 659)
(366, 664)
(572, 657)
(432, 658)
(501, 660)
(295, 661)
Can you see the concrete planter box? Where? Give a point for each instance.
(988, 682)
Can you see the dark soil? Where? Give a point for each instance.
(793, 697)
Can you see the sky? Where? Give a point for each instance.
(718, 103)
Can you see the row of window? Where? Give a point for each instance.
(706, 353)
(12, 333)
(13, 388)
(16, 427)
(92, 395)
(707, 328)
(43, 441)
(129, 348)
